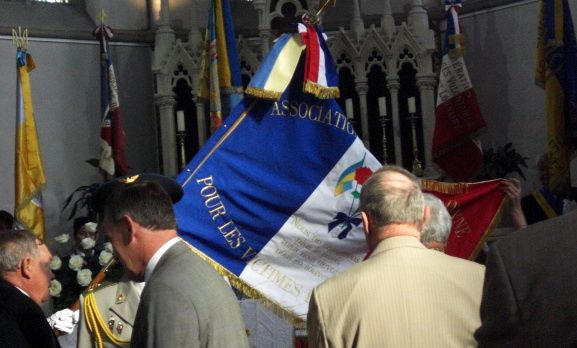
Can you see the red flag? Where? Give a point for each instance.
(457, 116)
(475, 209)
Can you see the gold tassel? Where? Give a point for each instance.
(249, 291)
(262, 94)
(321, 92)
(444, 187)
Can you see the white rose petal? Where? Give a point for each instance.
(90, 227)
(55, 263)
(76, 262)
(63, 238)
(108, 247)
(55, 288)
(87, 243)
(104, 257)
(84, 277)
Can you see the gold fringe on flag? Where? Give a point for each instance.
(444, 187)
(250, 291)
(321, 92)
(262, 94)
(494, 223)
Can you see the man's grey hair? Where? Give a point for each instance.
(14, 246)
(440, 221)
(385, 203)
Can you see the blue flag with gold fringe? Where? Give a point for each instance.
(271, 200)
(556, 72)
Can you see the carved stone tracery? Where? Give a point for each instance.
(358, 50)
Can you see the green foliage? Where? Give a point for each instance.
(497, 163)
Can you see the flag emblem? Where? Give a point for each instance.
(355, 175)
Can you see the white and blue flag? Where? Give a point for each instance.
(272, 199)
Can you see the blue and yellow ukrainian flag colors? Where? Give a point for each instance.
(277, 69)
(221, 63)
(557, 73)
(346, 179)
(29, 171)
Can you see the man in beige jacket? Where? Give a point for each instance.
(403, 295)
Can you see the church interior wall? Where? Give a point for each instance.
(66, 97)
(500, 56)
(134, 13)
(500, 53)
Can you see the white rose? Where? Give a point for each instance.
(84, 277)
(55, 263)
(76, 262)
(55, 288)
(108, 247)
(87, 243)
(104, 257)
(90, 227)
(63, 238)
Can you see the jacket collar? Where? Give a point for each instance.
(396, 242)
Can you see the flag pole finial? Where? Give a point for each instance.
(314, 18)
(20, 37)
(102, 16)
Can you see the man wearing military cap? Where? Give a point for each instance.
(185, 303)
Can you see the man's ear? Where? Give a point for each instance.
(366, 224)
(129, 226)
(26, 267)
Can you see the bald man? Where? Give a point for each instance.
(403, 295)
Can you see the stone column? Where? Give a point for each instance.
(426, 84)
(362, 88)
(393, 84)
(264, 33)
(200, 122)
(357, 24)
(165, 104)
(387, 20)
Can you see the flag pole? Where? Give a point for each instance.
(314, 18)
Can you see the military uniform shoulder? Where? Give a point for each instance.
(103, 288)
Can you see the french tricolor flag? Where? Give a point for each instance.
(457, 115)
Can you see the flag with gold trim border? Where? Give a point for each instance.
(29, 175)
(272, 199)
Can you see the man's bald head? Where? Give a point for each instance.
(392, 195)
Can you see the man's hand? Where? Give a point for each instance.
(512, 188)
(64, 320)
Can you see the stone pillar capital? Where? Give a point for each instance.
(426, 81)
(164, 101)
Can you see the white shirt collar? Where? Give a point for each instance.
(156, 257)
(22, 291)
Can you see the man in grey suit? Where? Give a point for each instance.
(403, 295)
(185, 303)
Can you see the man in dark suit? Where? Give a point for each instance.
(25, 279)
(530, 290)
(185, 303)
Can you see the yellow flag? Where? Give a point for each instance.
(29, 171)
